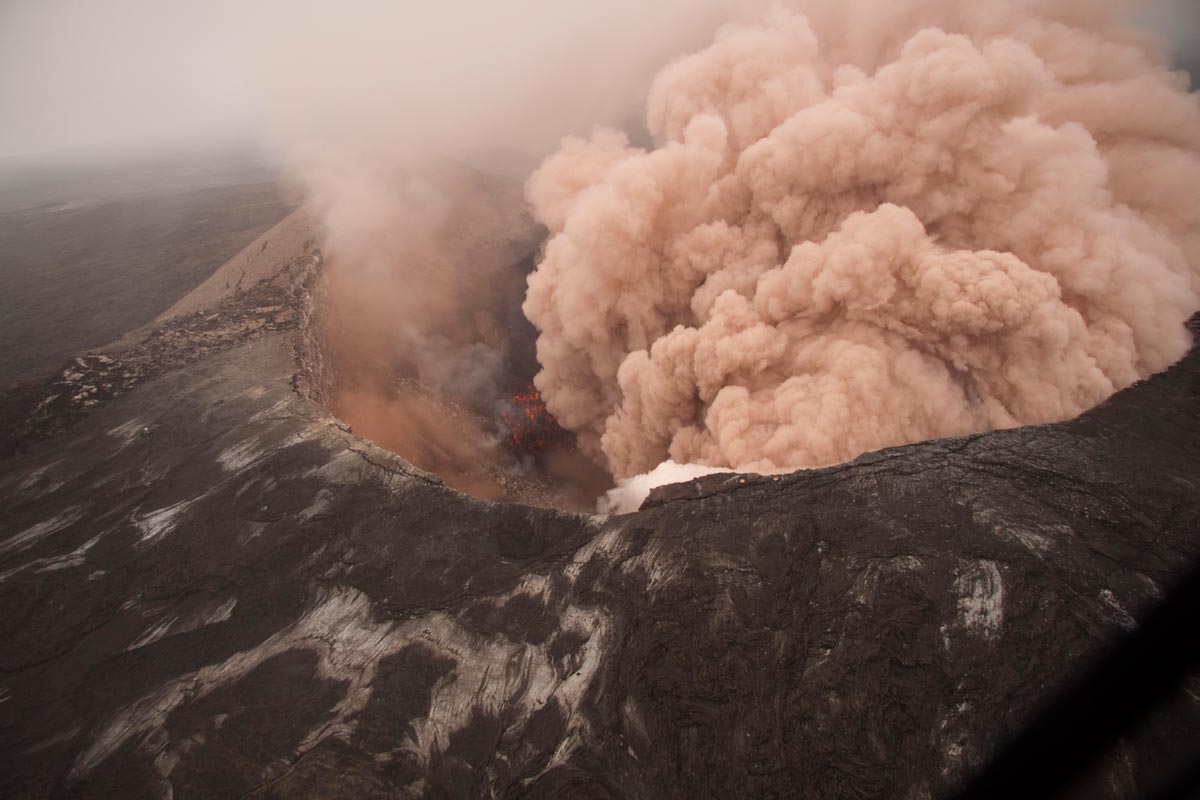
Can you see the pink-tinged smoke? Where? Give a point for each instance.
(866, 226)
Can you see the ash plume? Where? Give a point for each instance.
(410, 129)
(868, 224)
(414, 261)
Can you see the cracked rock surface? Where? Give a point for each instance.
(210, 589)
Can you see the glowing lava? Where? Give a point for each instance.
(531, 427)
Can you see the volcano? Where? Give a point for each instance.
(214, 589)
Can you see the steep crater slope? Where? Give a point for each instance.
(420, 344)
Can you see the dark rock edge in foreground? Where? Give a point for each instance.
(212, 590)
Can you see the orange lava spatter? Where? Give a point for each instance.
(531, 427)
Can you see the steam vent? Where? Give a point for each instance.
(213, 589)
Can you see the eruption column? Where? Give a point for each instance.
(859, 230)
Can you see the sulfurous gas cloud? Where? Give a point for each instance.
(410, 129)
(868, 224)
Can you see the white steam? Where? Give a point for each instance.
(632, 492)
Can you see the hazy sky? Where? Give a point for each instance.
(77, 72)
(82, 72)
(1179, 21)
(74, 72)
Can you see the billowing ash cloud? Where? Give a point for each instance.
(410, 128)
(875, 224)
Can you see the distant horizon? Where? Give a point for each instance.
(163, 143)
(84, 82)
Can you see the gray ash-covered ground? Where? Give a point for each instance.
(90, 251)
(42, 407)
(213, 589)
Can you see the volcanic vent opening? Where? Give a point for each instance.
(426, 351)
(841, 232)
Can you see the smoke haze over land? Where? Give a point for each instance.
(870, 225)
(161, 71)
